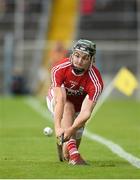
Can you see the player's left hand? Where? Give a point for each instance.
(68, 133)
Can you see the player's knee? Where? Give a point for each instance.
(69, 108)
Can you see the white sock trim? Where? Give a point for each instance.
(75, 152)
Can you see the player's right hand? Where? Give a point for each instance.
(59, 132)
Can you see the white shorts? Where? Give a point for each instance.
(50, 104)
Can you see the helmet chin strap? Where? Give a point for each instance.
(77, 70)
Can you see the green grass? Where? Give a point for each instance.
(26, 153)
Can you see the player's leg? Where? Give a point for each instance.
(66, 122)
(79, 132)
(70, 148)
(78, 136)
(76, 158)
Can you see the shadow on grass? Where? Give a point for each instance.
(108, 163)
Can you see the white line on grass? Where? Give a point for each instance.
(115, 148)
(36, 105)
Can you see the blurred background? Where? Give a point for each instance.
(36, 33)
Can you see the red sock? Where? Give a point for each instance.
(73, 151)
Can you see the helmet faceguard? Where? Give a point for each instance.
(87, 47)
(77, 70)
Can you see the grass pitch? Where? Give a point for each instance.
(25, 152)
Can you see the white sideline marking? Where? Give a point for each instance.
(34, 104)
(115, 148)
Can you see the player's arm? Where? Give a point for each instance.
(89, 103)
(84, 115)
(59, 97)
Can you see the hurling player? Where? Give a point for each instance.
(76, 86)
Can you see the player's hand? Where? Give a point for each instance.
(59, 132)
(68, 133)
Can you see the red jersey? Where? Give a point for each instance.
(77, 86)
